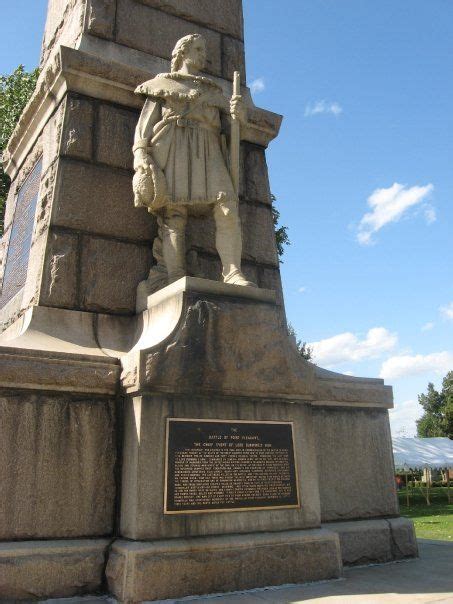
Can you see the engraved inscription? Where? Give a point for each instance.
(19, 245)
(220, 465)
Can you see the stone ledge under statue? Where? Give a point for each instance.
(171, 313)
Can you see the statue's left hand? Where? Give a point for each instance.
(140, 160)
(238, 109)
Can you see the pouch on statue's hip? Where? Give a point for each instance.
(150, 187)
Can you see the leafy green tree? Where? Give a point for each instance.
(447, 389)
(281, 232)
(437, 419)
(305, 351)
(15, 91)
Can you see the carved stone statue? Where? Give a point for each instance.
(181, 163)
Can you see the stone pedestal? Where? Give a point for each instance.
(156, 570)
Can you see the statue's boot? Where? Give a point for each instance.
(229, 243)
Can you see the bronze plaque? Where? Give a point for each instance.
(226, 466)
(19, 244)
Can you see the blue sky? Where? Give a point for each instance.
(362, 171)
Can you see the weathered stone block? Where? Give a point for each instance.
(173, 569)
(64, 25)
(233, 58)
(100, 19)
(52, 137)
(222, 15)
(56, 10)
(250, 271)
(336, 389)
(99, 199)
(375, 541)
(363, 542)
(270, 278)
(115, 136)
(110, 273)
(255, 176)
(257, 231)
(403, 539)
(32, 369)
(200, 233)
(77, 136)
(45, 199)
(59, 287)
(51, 569)
(57, 472)
(258, 234)
(203, 265)
(208, 266)
(354, 449)
(156, 32)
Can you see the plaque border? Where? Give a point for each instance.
(225, 510)
(19, 187)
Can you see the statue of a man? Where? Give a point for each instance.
(181, 164)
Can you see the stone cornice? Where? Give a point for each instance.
(39, 370)
(241, 349)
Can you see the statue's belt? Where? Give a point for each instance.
(183, 122)
(180, 122)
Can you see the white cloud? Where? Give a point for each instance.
(347, 347)
(427, 326)
(430, 214)
(257, 86)
(302, 290)
(447, 311)
(323, 107)
(403, 417)
(406, 364)
(389, 205)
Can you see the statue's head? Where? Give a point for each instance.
(190, 50)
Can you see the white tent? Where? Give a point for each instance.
(421, 453)
(411, 454)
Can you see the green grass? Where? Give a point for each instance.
(433, 521)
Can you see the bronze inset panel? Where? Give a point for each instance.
(19, 245)
(227, 466)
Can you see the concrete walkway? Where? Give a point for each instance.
(427, 579)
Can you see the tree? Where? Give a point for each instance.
(15, 91)
(305, 351)
(437, 419)
(281, 232)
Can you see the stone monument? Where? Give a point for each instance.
(160, 434)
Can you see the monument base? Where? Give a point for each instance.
(375, 541)
(51, 569)
(81, 390)
(156, 570)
